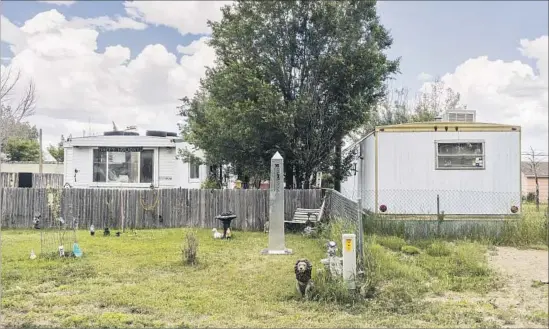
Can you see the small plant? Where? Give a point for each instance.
(410, 250)
(190, 249)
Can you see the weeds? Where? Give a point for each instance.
(394, 243)
(532, 228)
(333, 290)
(190, 249)
(410, 250)
(439, 249)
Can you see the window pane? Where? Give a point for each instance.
(194, 171)
(147, 164)
(460, 162)
(460, 148)
(99, 166)
(124, 167)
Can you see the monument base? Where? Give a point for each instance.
(276, 252)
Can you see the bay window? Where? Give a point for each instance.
(123, 165)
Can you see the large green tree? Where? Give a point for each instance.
(290, 76)
(22, 149)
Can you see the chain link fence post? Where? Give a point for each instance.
(360, 243)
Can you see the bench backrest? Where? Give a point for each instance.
(303, 214)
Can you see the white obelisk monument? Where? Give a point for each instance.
(276, 210)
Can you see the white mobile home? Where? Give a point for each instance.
(473, 168)
(123, 159)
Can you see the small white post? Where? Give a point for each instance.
(349, 259)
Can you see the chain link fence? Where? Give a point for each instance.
(433, 202)
(345, 217)
(345, 210)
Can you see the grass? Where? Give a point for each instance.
(530, 230)
(142, 281)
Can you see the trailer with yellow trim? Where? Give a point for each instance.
(459, 168)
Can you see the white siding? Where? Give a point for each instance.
(183, 179)
(166, 167)
(350, 186)
(369, 172)
(68, 167)
(408, 181)
(82, 160)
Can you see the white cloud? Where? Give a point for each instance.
(53, 20)
(11, 34)
(508, 92)
(108, 24)
(424, 77)
(59, 3)
(79, 88)
(188, 17)
(193, 47)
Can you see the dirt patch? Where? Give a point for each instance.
(525, 274)
(522, 301)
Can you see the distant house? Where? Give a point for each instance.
(529, 181)
(27, 174)
(472, 167)
(122, 159)
(48, 167)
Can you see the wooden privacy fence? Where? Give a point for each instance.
(132, 208)
(9, 179)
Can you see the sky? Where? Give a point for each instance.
(94, 62)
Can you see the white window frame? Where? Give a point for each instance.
(110, 183)
(193, 179)
(461, 141)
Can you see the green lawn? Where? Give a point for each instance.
(141, 281)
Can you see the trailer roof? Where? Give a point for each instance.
(117, 140)
(461, 126)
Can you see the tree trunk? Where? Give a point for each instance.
(289, 175)
(221, 175)
(298, 178)
(338, 175)
(307, 181)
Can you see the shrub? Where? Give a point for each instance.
(410, 250)
(531, 197)
(190, 249)
(210, 183)
(392, 242)
(438, 249)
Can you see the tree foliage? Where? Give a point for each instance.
(21, 130)
(397, 107)
(290, 76)
(20, 149)
(58, 151)
(12, 112)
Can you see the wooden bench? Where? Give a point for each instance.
(301, 216)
